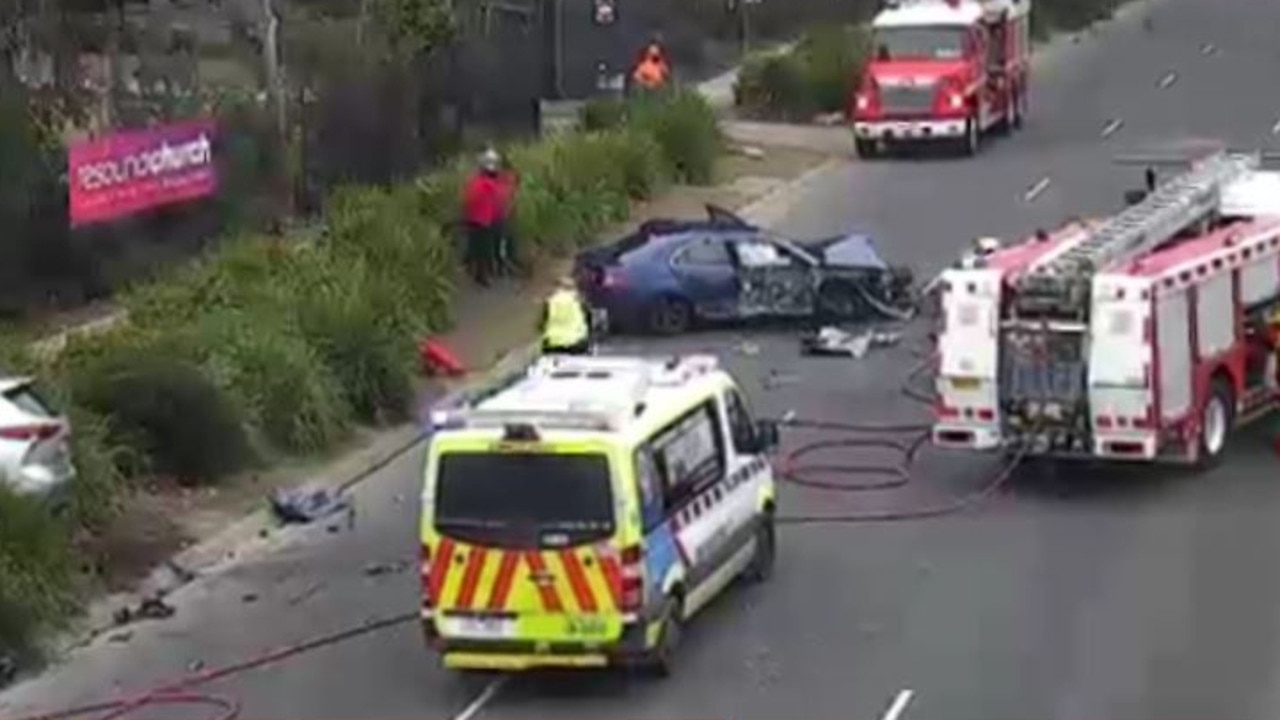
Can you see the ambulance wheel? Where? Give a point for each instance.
(1216, 419)
(766, 551)
(661, 660)
(669, 316)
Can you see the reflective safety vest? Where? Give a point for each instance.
(566, 324)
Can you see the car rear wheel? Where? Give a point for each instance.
(669, 316)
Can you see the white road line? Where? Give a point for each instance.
(1035, 190)
(1208, 49)
(1111, 127)
(1169, 78)
(1275, 129)
(899, 705)
(482, 699)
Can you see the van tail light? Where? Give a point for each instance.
(424, 576)
(632, 579)
(30, 433)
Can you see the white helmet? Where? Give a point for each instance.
(986, 245)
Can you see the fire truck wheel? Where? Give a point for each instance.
(865, 149)
(971, 141)
(1019, 109)
(1215, 422)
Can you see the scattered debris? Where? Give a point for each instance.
(151, 608)
(249, 598)
(120, 637)
(436, 359)
(749, 349)
(774, 379)
(385, 568)
(307, 504)
(751, 151)
(264, 533)
(834, 341)
(195, 666)
(830, 119)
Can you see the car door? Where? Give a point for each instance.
(774, 281)
(705, 271)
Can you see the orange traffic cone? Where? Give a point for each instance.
(434, 358)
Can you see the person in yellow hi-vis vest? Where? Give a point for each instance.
(566, 325)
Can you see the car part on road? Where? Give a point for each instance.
(307, 504)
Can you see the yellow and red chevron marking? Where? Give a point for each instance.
(474, 578)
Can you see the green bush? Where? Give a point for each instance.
(163, 407)
(603, 113)
(289, 394)
(37, 591)
(684, 125)
(817, 76)
(96, 492)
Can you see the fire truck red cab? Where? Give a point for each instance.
(943, 70)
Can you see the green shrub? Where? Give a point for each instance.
(163, 408)
(96, 492)
(603, 113)
(773, 85)
(356, 328)
(288, 392)
(818, 75)
(390, 233)
(684, 125)
(833, 58)
(37, 592)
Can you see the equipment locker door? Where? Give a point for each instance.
(1173, 338)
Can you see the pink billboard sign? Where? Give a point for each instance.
(128, 172)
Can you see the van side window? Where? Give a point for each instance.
(689, 455)
(650, 487)
(741, 429)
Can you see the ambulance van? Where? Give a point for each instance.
(581, 514)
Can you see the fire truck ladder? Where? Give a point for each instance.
(1062, 281)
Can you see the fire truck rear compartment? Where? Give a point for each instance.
(1043, 389)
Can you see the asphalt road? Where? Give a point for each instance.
(1086, 595)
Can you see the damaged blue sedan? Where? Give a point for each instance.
(671, 275)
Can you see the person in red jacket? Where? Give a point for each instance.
(486, 203)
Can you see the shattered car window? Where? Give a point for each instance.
(762, 255)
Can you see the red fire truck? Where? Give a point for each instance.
(1144, 336)
(943, 70)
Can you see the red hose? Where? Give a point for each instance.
(179, 692)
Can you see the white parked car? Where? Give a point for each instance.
(35, 452)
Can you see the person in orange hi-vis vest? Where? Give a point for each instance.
(652, 71)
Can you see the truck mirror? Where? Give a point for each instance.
(766, 435)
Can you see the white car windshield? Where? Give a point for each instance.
(920, 43)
